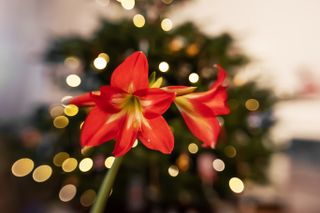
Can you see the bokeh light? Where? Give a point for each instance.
(42, 173)
(85, 164)
(136, 142)
(139, 20)
(59, 158)
(163, 66)
(193, 148)
(73, 80)
(101, 61)
(128, 4)
(218, 165)
(173, 171)
(252, 104)
(72, 62)
(71, 110)
(65, 100)
(236, 185)
(61, 122)
(69, 165)
(81, 124)
(109, 162)
(87, 198)
(22, 167)
(166, 24)
(67, 192)
(194, 77)
(56, 111)
(230, 151)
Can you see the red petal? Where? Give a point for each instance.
(109, 99)
(96, 130)
(218, 104)
(179, 90)
(200, 121)
(157, 135)
(125, 138)
(220, 79)
(154, 101)
(132, 74)
(83, 100)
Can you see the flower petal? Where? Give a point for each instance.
(96, 128)
(154, 101)
(83, 100)
(157, 135)
(179, 90)
(132, 74)
(218, 103)
(200, 120)
(125, 137)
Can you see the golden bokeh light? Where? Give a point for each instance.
(81, 124)
(56, 111)
(73, 80)
(87, 198)
(236, 185)
(61, 122)
(67, 192)
(22, 167)
(101, 61)
(71, 110)
(230, 151)
(109, 162)
(166, 24)
(72, 62)
(173, 171)
(42, 173)
(218, 165)
(164, 66)
(139, 21)
(252, 104)
(193, 148)
(183, 162)
(69, 165)
(59, 158)
(85, 164)
(128, 4)
(136, 142)
(192, 50)
(194, 77)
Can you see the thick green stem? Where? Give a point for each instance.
(106, 187)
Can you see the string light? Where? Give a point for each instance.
(193, 148)
(85, 164)
(69, 165)
(22, 167)
(252, 104)
(128, 4)
(166, 24)
(59, 158)
(236, 185)
(73, 80)
(164, 66)
(218, 165)
(194, 77)
(87, 198)
(67, 192)
(173, 171)
(71, 110)
(42, 173)
(61, 122)
(139, 21)
(109, 162)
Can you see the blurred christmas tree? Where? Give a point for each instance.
(191, 177)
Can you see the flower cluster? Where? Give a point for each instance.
(131, 108)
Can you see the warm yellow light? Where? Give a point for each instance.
(73, 80)
(139, 20)
(85, 164)
(194, 77)
(72, 62)
(101, 61)
(163, 66)
(236, 185)
(69, 165)
(56, 111)
(230, 151)
(183, 162)
(61, 122)
(87, 198)
(128, 4)
(173, 171)
(81, 124)
(67, 192)
(22, 167)
(135, 143)
(109, 162)
(252, 104)
(218, 165)
(193, 148)
(59, 158)
(71, 110)
(42, 173)
(166, 24)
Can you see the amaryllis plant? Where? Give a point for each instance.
(131, 108)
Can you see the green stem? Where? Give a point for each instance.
(106, 187)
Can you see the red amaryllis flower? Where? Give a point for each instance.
(199, 109)
(128, 109)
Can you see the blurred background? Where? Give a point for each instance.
(267, 159)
